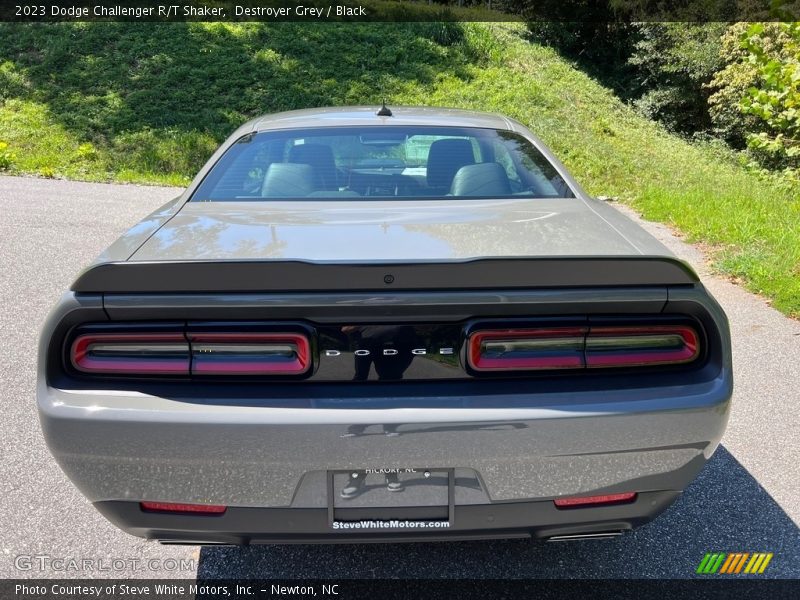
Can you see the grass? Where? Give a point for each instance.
(148, 103)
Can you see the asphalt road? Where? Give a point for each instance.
(746, 499)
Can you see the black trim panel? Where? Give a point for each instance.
(256, 276)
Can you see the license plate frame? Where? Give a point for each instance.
(439, 512)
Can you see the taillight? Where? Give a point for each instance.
(136, 353)
(193, 352)
(551, 348)
(249, 353)
(527, 349)
(588, 501)
(183, 508)
(641, 346)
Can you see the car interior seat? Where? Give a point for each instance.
(483, 179)
(288, 180)
(445, 157)
(320, 158)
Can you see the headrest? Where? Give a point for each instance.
(445, 157)
(483, 179)
(288, 180)
(320, 157)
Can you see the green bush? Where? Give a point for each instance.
(86, 152)
(7, 157)
(444, 33)
(673, 63)
(12, 82)
(776, 101)
(482, 44)
(731, 83)
(661, 68)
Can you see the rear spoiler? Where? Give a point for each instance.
(285, 276)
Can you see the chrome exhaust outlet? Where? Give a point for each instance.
(193, 543)
(603, 535)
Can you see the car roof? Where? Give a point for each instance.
(348, 116)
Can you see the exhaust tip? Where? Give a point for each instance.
(603, 535)
(194, 543)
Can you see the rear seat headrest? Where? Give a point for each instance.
(445, 157)
(321, 159)
(288, 180)
(483, 179)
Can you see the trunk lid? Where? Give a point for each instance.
(385, 230)
(390, 246)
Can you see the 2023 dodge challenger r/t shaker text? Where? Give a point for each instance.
(404, 324)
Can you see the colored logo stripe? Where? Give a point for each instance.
(711, 562)
(758, 563)
(734, 562)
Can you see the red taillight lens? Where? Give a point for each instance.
(641, 346)
(192, 353)
(587, 501)
(181, 508)
(526, 349)
(136, 353)
(250, 353)
(539, 349)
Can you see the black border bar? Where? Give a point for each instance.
(576, 11)
(708, 588)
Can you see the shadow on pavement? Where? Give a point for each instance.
(724, 510)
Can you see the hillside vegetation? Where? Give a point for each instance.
(149, 102)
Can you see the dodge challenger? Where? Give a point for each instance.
(366, 324)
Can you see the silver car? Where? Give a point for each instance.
(362, 324)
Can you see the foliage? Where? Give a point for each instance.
(601, 47)
(776, 100)
(661, 68)
(12, 83)
(7, 157)
(673, 63)
(154, 99)
(730, 84)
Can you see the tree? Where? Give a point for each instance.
(775, 101)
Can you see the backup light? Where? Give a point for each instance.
(641, 346)
(527, 349)
(249, 353)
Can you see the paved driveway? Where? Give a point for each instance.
(746, 499)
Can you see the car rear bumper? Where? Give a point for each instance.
(540, 519)
(120, 448)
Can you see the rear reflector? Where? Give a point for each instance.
(527, 349)
(581, 347)
(587, 501)
(180, 508)
(249, 353)
(137, 353)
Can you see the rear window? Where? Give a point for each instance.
(382, 163)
